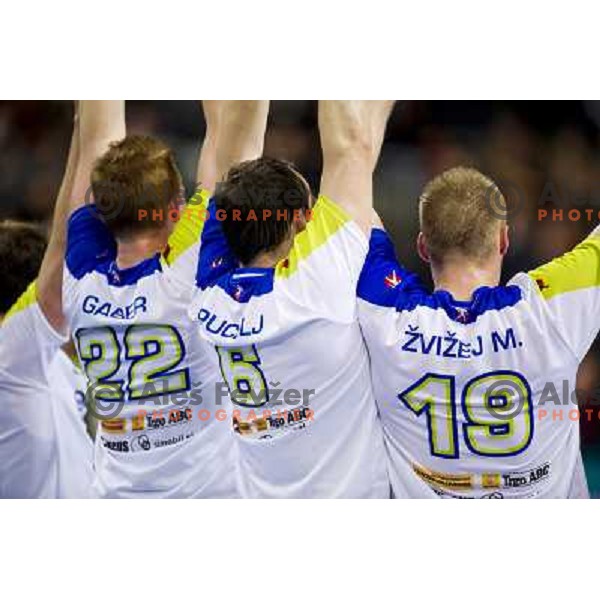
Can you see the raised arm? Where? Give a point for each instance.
(235, 131)
(570, 285)
(96, 124)
(240, 133)
(100, 123)
(49, 281)
(206, 177)
(352, 133)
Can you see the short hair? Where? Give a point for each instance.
(22, 248)
(138, 173)
(259, 185)
(456, 215)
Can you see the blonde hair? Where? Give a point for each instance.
(456, 211)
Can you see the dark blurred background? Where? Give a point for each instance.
(543, 155)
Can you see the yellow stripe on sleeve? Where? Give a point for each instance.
(575, 270)
(27, 298)
(189, 227)
(327, 218)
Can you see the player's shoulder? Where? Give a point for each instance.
(531, 287)
(89, 242)
(576, 271)
(383, 281)
(28, 342)
(328, 218)
(330, 235)
(186, 235)
(92, 249)
(26, 318)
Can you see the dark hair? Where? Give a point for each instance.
(22, 247)
(134, 175)
(255, 187)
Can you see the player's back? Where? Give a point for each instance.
(44, 449)
(147, 370)
(471, 394)
(28, 463)
(293, 357)
(74, 446)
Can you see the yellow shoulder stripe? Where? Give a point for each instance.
(575, 270)
(27, 298)
(190, 225)
(326, 219)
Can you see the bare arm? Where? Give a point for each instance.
(100, 123)
(49, 282)
(206, 177)
(352, 133)
(97, 123)
(238, 129)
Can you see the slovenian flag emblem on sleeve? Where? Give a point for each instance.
(392, 280)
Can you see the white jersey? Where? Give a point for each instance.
(292, 356)
(477, 398)
(45, 451)
(75, 447)
(152, 381)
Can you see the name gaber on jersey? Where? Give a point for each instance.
(147, 365)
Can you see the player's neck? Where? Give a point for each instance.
(461, 280)
(133, 251)
(270, 258)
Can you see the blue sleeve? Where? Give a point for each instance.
(216, 258)
(89, 241)
(383, 280)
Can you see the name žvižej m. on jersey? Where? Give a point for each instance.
(471, 393)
